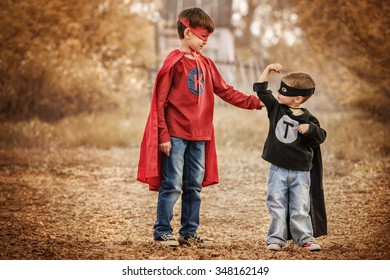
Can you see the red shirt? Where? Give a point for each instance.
(176, 111)
(185, 103)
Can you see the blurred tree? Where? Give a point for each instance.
(64, 57)
(344, 42)
(355, 34)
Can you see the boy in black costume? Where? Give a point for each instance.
(294, 194)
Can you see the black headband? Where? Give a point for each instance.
(290, 91)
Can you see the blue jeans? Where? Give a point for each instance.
(182, 174)
(288, 196)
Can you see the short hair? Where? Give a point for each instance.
(299, 80)
(196, 17)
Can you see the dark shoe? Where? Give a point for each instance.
(195, 240)
(167, 240)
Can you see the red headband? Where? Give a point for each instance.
(200, 32)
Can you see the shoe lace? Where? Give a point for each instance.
(167, 237)
(197, 238)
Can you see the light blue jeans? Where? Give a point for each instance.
(182, 174)
(288, 196)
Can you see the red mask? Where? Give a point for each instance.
(198, 31)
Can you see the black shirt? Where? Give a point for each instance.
(285, 146)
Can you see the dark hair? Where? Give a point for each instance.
(196, 17)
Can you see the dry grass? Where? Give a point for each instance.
(352, 137)
(104, 130)
(63, 201)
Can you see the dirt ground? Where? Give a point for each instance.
(86, 204)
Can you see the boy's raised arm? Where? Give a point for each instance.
(261, 87)
(275, 67)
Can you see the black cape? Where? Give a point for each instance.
(317, 199)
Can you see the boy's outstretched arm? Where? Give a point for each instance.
(275, 67)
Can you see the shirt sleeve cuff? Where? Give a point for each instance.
(263, 86)
(163, 136)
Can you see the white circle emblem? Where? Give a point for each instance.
(286, 129)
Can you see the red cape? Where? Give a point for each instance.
(149, 166)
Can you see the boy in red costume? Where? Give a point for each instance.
(178, 154)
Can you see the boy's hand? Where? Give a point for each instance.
(303, 128)
(275, 67)
(165, 148)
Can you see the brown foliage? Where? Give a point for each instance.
(343, 44)
(353, 34)
(61, 58)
